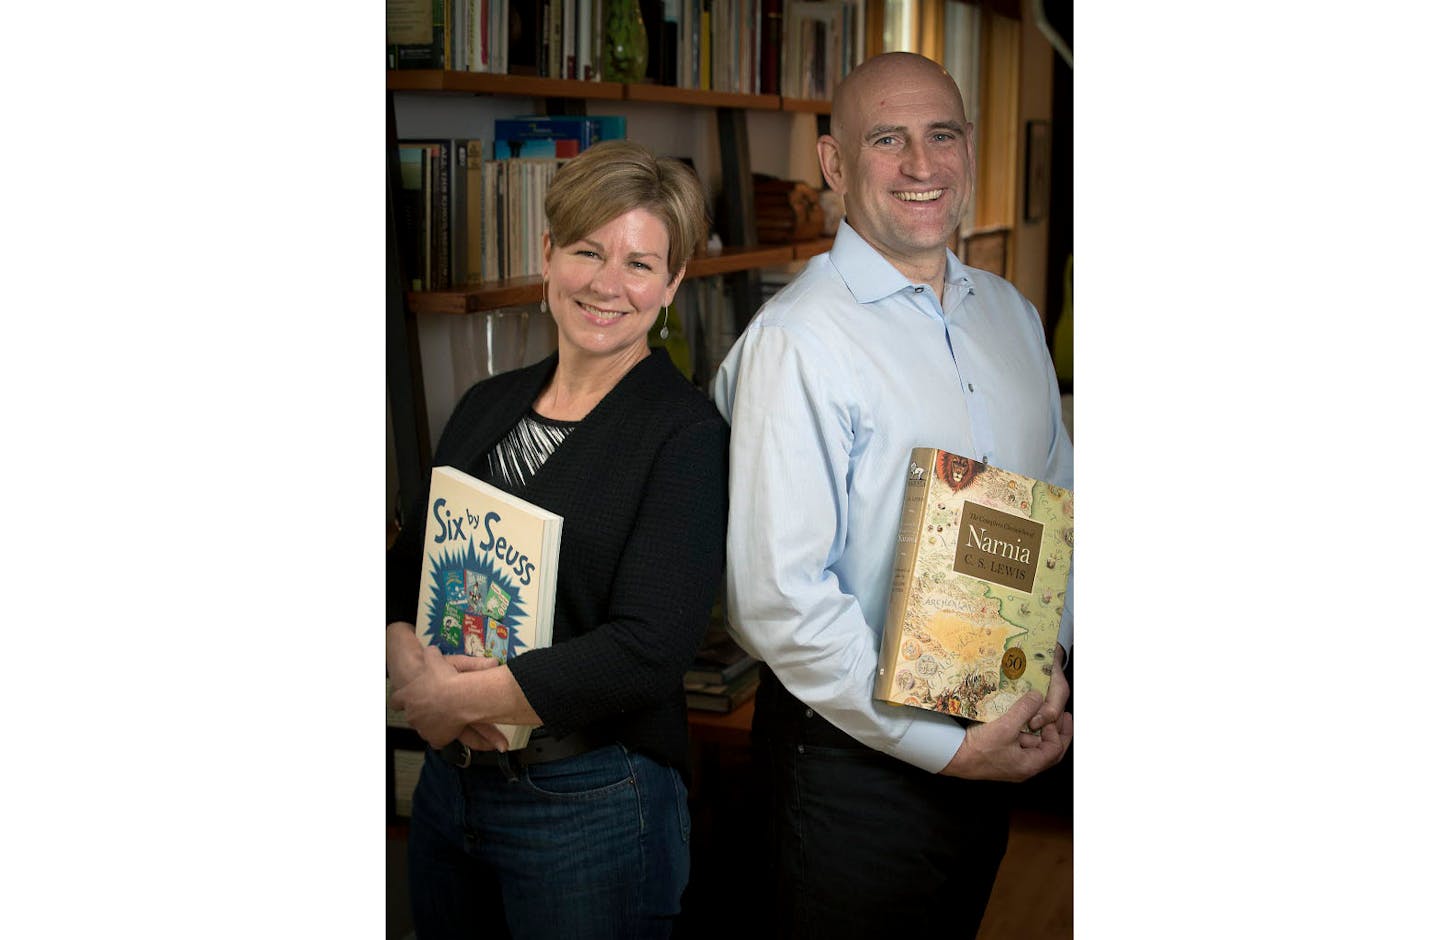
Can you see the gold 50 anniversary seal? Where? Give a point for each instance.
(1013, 663)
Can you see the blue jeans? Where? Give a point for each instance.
(591, 846)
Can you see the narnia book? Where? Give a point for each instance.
(487, 584)
(981, 562)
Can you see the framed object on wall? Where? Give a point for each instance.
(1037, 170)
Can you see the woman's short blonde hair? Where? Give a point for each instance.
(615, 176)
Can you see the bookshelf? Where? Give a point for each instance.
(739, 262)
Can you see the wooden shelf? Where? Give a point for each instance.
(526, 290)
(485, 83)
(808, 105)
(728, 260)
(729, 728)
(695, 97)
(526, 86)
(812, 248)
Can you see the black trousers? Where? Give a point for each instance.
(864, 845)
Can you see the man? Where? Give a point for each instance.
(882, 817)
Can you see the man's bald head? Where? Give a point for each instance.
(853, 94)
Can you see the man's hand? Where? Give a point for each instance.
(1002, 750)
(1058, 695)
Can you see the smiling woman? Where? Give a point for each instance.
(622, 227)
(607, 433)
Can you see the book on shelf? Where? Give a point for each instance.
(415, 34)
(981, 562)
(719, 660)
(723, 696)
(444, 232)
(487, 582)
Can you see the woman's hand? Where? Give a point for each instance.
(433, 699)
(480, 735)
(404, 655)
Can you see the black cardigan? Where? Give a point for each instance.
(641, 482)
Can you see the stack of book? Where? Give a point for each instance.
(723, 676)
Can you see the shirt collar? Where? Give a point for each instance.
(870, 277)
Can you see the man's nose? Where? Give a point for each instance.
(917, 161)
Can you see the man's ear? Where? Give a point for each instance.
(828, 149)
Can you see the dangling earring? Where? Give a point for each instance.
(665, 327)
(544, 290)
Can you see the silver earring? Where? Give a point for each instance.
(544, 289)
(665, 327)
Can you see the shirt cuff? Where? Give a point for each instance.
(929, 742)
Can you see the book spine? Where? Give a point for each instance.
(474, 211)
(459, 213)
(907, 540)
(706, 24)
(442, 228)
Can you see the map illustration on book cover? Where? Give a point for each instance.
(487, 584)
(981, 563)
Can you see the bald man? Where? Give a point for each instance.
(882, 818)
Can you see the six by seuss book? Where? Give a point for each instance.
(981, 562)
(487, 583)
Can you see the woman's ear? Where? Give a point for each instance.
(545, 257)
(674, 286)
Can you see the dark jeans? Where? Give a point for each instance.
(591, 846)
(864, 845)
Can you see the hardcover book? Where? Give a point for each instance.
(981, 562)
(487, 583)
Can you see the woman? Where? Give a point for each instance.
(585, 832)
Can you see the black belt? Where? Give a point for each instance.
(538, 751)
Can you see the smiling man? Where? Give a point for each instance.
(881, 817)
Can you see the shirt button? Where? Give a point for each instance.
(972, 386)
(800, 749)
(919, 290)
(809, 713)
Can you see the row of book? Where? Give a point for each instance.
(796, 48)
(474, 211)
(723, 676)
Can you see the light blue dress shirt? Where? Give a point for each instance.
(830, 386)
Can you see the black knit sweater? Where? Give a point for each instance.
(641, 482)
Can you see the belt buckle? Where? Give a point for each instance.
(457, 754)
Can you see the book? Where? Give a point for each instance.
(415, 34)
(719, 660)
(555, 136)
(723, 696)
(981, 562)
(487, 582)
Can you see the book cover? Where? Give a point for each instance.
(487, 583)
(981, 562)
(415, 34)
